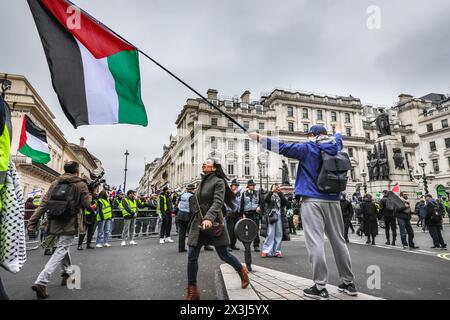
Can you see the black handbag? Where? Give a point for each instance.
(273, 217)
(216, 229)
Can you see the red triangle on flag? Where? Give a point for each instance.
(396, 188)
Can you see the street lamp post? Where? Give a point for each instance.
(364, 175)
(424, 176)
(260, 173)
(126, 169)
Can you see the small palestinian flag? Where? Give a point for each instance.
(94, 73)
(33, 142)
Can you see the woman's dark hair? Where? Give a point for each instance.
(229, 195)
(103, 194)
(72, 167)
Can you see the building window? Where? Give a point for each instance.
(247, 145)
(214, 122)
(213, 143)
(261, 126)
(293, 170)
(231, 145)
(290, 126)
(231, 168)
(403, 139)
(347, 117)
(333, 116)
(230, 125)
(305, 113)
(290, 111)
(319, 115)
(429, 127)
(447, 143)
(368, 135)
(350, 152)
(306, 128)
(348, 131)
(433, 146)
(436, 165)
(247, 168)
(246, 124)
(444, 123)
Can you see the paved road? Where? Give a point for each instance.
(154, 271)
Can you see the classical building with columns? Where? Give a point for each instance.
(419, 127)
(24, 100)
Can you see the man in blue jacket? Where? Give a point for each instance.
(321, 212)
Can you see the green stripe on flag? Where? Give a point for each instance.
(36, 156)
(124, 67)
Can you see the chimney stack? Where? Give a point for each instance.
(82, 142)
(212, 94)
(403, 98)
(246, 97)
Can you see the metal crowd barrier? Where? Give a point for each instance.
(147, 224)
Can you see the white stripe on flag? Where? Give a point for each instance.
(101, 95)
(37, 144)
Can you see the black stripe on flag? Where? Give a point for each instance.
(34, 130)
(65, 63)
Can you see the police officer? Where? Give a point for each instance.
(89, 221)
(250, 208)
(142, 216)
(185, 210)
(232, 216)
(104, 216)
(165, 211)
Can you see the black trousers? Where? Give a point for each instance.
(143, 223)
(390, 223)
(436, 235)
(166, 225)
(182, 233)
(3, 295)
(90, 233)
(255, 217)
(347, 225)
(231, 223)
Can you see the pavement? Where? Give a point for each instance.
(151, 271)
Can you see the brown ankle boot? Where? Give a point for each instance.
(245, 281)
(192, 293)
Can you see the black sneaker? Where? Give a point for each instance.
(414, 247)
(349, 289)
(315, 293)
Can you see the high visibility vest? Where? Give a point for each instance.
(106, 210)
(164, 197)
(37, 201)
(133, 206)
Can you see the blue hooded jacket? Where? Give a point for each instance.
(308, 154)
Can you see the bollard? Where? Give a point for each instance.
(246, 231)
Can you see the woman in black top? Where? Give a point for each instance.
(369, 213)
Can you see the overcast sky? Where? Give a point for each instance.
(322, 46)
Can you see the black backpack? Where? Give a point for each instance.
(437, 215)
(62, 203)
(333, 173)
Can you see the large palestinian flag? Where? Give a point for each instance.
(33, 142)
(94, 73)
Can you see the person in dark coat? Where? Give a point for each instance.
(347, 214)
(369, 212)
(211, 196)
(278, 231)
(433, 220)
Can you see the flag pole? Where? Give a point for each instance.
(162, 67)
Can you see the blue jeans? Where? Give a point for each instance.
(223, 254)
(272, 244)
(406, 229)
(103, 231)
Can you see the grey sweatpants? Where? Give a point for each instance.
(128, 229)
(60, 256)
(319, 217)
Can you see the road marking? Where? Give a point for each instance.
(445, 256)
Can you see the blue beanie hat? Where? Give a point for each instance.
(318, 130)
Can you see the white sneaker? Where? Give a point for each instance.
(99, 246)
(169, 240)
(107, 245)
(161, 241)
(132, 243)
(123, 244)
